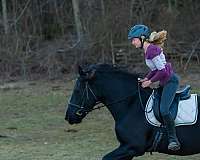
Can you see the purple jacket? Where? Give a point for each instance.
(160, 69)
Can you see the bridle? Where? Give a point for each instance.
(81, 108)
(88, 89)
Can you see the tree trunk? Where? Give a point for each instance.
(77, 18)
(5, 17)
(170, 5)
(131, 10)
(103, 8)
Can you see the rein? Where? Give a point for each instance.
(124, 98)
(88, 89)
(140, 98)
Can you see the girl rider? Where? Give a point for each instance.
(161, 71)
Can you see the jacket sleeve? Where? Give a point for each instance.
(150, 74)
(160, 69)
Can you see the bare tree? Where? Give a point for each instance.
(76, 10)
(103, 8)
(5, 17)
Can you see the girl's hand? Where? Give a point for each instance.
(146, 83)
(143, 80)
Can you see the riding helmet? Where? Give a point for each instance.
(139, 31)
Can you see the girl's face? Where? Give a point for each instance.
(136, 42)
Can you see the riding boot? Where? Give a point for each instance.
(174, 144)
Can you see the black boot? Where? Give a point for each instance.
(174, 144)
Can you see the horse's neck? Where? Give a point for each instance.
(123, 98)
(114, 90)
(121, 110)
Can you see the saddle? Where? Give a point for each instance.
(183, 93)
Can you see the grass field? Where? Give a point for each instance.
(32, 126)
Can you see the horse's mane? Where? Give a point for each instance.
(110, 69)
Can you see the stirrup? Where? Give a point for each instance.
(174, 146)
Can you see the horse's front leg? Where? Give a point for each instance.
(129, 146)
(121, 153)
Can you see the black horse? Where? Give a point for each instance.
(120, 92)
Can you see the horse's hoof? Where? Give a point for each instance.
(174, 146)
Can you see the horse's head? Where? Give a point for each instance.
(84, 96)
(99, 83)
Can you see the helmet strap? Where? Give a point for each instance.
(142, 42)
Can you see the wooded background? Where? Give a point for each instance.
(51, 37)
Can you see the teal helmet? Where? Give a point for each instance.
(139, 31)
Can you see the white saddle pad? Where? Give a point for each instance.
(186, 115)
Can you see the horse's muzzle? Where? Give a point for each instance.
(71, 116)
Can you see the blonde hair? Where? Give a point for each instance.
(158, 38)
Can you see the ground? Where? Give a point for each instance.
(33, 126)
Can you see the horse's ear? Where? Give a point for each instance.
(91, 74)
(80, 71)
(86, 75)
